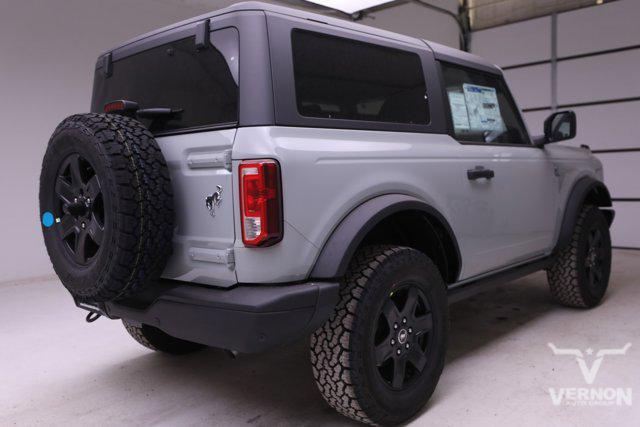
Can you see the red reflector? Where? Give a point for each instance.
(260, 202)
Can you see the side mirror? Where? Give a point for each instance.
(560, 126)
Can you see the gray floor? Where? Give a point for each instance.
(55, 369)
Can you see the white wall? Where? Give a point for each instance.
(592, 79)
(47, 53)
(418, 21)
(521, 43)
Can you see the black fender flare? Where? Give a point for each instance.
(345, 239)
(576, 200)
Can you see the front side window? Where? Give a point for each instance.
(481, 109)
(339, 78)
(201, 84)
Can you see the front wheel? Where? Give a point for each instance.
(580, 274)
(378, 358)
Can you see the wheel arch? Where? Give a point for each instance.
(586, 191)
(367, 224)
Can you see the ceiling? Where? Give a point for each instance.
(481, 14)
(351, 6)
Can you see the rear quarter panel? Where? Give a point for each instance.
(326, 173)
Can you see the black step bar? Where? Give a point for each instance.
(458, 292)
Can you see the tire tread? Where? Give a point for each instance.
(139, 185)
(157, 340)
(332, 358)
(564, 275)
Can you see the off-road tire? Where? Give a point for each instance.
(342, 363)
(137, 203)
(157, 340)
(568, 277)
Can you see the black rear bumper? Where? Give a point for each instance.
(247, 318)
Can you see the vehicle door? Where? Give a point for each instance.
(508, 205)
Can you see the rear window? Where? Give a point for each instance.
(202, 83)
(339, 78)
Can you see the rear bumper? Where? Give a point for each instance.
(247, 318)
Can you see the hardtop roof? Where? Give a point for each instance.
(440, 51)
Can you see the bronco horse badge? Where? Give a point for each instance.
(214, 200)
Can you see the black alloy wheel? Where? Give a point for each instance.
(80, 209)
(594, 261)
(402, 336)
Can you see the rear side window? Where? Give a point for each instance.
(339, 78)
(481, 108)
(202, 83)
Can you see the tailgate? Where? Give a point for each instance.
(200, 168)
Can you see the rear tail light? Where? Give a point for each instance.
(260, 202)
(121, 106)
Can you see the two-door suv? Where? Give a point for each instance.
(259, 174)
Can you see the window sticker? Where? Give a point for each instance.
(459, 112)
(483, 108)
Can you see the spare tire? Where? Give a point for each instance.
(106, 206)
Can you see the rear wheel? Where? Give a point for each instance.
(157, 340)
(379, 357)
(580, 275)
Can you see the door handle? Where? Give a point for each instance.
(480, 172)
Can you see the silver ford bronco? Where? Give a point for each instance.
(259, 174)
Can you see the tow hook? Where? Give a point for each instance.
(92, 316)
(95, 311)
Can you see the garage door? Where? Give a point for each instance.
(597, 51)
